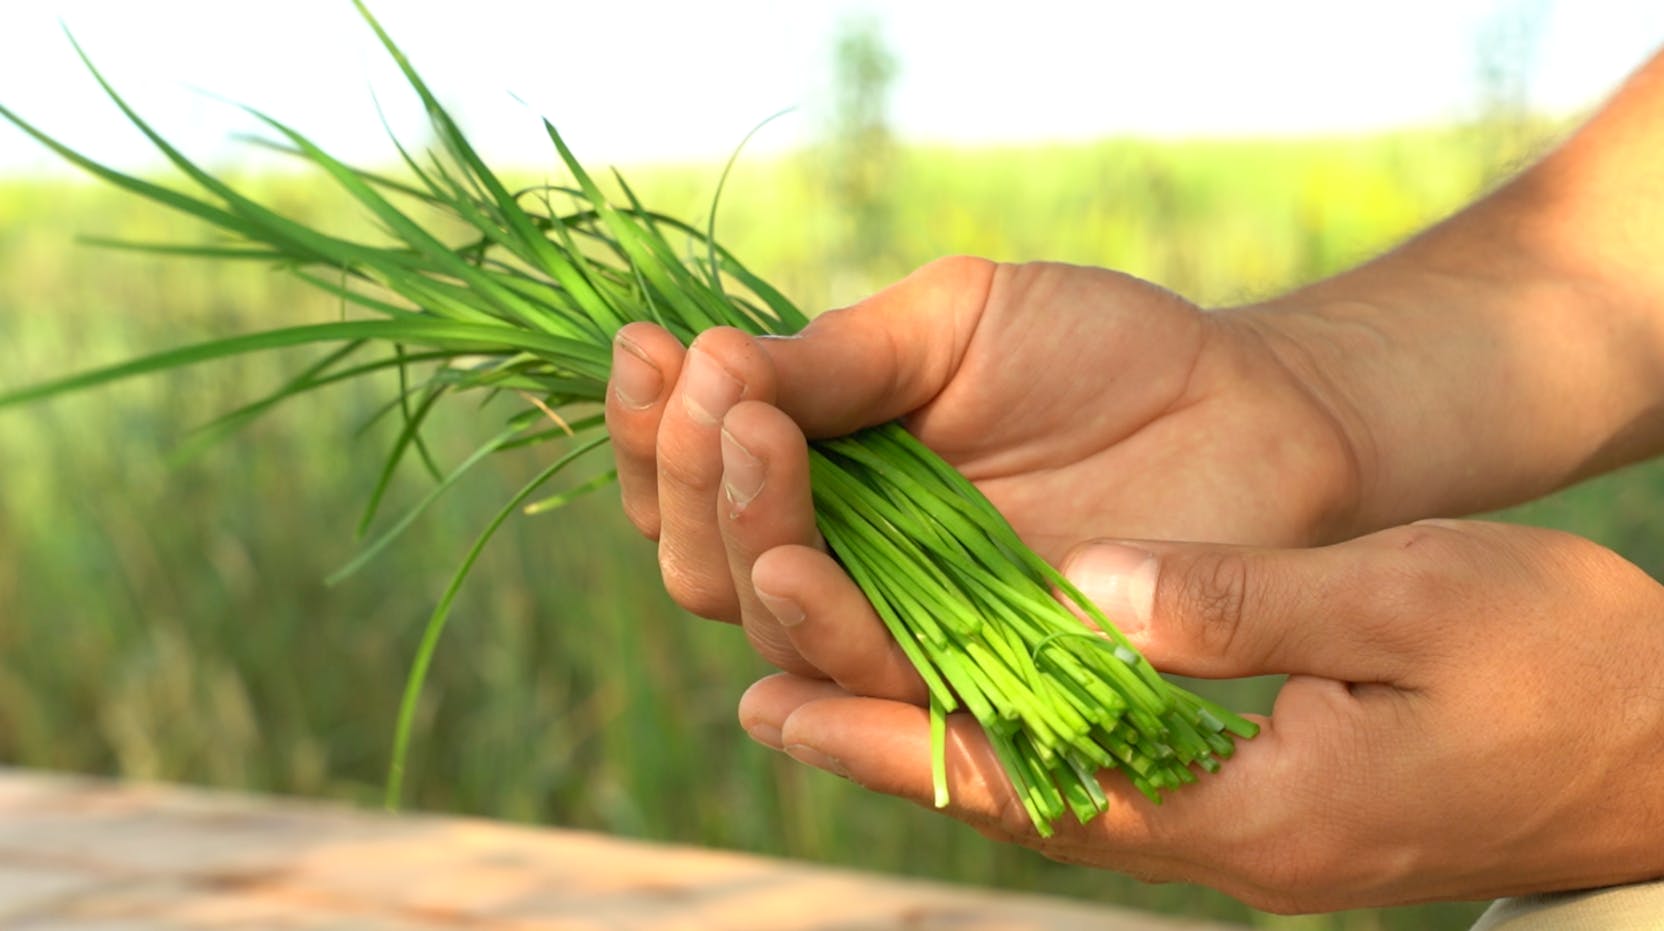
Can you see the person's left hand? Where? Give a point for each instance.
(1473, 710)
(1074, 398)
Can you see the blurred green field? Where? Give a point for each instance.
(170, 621)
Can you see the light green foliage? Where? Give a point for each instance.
(172, 622)
(858, 153)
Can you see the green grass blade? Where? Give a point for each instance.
(370, 550)
(216, 430)
(715, 265)
(441, 614)
(556, 502)
(409, 231)
(460, 337)
(222, 253)
(422, 450)
(410, 429)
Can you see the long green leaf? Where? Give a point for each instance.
(441, 614)
(437, 333)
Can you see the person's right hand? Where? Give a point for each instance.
(1083, 402)
(1471, 710)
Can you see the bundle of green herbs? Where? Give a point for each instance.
(527, 302)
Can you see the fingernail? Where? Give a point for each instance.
(809, 755)
(742, 474)
(788, 612)
(764, 733)
(1120, 579)
(635, 379)
(708, 390)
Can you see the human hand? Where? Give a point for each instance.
(1473, 710)
(1076, 399)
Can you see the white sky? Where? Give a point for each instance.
(639, 81)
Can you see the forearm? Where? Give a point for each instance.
(1513, 349)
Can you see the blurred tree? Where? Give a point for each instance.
(1506, 60)
(860, 151)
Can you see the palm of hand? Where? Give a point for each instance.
(1083, 402)
(1089, 403)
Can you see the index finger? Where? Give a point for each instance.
(885, 746)
(1281, 826)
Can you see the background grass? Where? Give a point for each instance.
(169, 621)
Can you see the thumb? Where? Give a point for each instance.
(1228, 611)
(885, 356)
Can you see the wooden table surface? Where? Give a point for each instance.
(87, 855)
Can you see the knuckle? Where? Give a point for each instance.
(1429, 540)
(1428, 570)
(739, 355)
(695, 587)
(1213, 599)
(643, 332)
(958, 269)
(642, 515)
(635, 434)
(680, 467)
(776, 649)
(719, 336)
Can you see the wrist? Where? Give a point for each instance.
(1462, 391)
(1319, 345)
(1316, 442)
